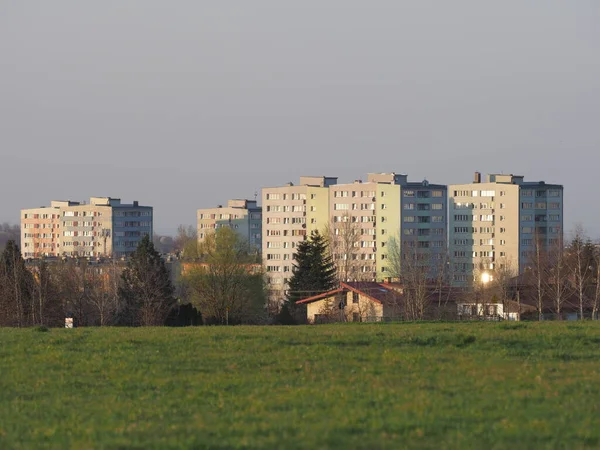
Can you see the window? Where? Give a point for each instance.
(409, 206)
(409, 193)
(437, 219)
(526, 205)
(437, 206)
(355, 297)
(437, 194)
(408, 218)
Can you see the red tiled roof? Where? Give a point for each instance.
(320, 296)
(367, 289)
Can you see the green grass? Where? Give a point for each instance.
(358, 386)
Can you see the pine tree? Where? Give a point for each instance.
(146, 289)
(313, 273)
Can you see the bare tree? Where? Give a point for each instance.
(581, 255)
(343, 239)
(69, 276)
(596, 303)
(412, 266)
(16, 283)
(442, 278)
(46, 307)
(504, 281)
(186, 241)
(557, 282)
(102, 291)
(539, 269)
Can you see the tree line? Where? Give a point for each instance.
(221, 281)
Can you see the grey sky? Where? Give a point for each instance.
(184, 104)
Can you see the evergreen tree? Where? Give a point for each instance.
(146, 289)
(16, 288)
(313, 273)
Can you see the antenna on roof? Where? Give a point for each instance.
(255, 195)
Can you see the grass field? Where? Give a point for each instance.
(358, 386)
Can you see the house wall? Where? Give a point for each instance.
(365, 309)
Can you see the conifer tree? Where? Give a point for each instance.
(146, 289)
(313, 273)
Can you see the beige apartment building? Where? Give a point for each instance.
(243, 216)
(363, 216)
(494, 224)
(358, 218)
(102, 227)
(289, 214)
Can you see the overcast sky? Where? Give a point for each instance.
(184, 104)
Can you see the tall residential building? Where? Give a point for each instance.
(104, 227)
(363, 216)
(366, 215)
(424, 226)
(243, 216)
(495, 224)
(290, 213)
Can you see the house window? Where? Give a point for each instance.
(355, 297)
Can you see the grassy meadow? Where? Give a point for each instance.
(354, 386)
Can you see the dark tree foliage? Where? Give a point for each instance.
(313, 273)
(146, 289)
(16, 289)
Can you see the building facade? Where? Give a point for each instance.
(496, 224)
(290, 213)
(366, 217)
(424, 227)
(103, 227)
(243, 216)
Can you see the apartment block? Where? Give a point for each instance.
(424, 225)
(102, 227)
(495, 224)
(363, 215)
(387, 206)
(243, 216)
(289, 214)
